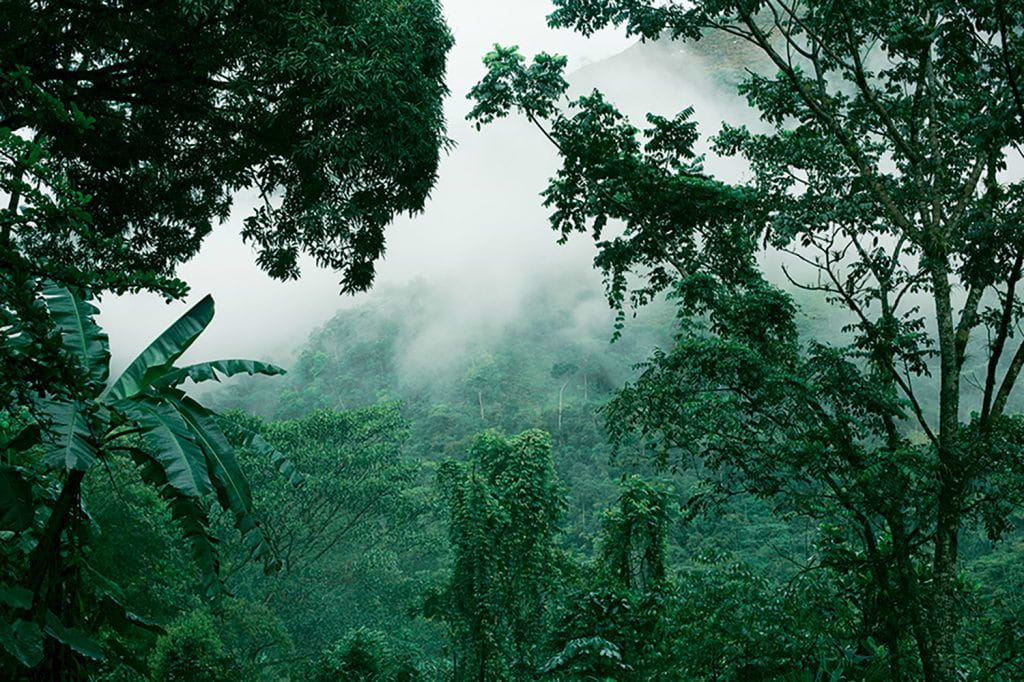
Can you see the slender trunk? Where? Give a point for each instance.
(943, 617)
(45, 557)
(912, 595)
(12, 207)
(561, 392)
(480, 399)
(882, 602)
(52, 591)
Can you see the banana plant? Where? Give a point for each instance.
(146, 414)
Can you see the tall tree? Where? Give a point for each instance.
(881, 177)
(503, 505)
(125, 129)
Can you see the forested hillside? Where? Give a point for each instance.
(770, 430)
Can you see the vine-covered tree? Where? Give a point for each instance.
(615, 627)
(503, 505)
(881, 180)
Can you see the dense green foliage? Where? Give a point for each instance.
(125, 129)
(732, 486)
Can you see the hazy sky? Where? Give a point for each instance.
(484, 236)
(483, 218)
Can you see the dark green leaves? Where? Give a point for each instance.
(173, 444)
(158, 358)
(68, 436)
(511, 85)
(678, 220)
(87, 343)
(17, 508)
(76, 639)
(23, 641)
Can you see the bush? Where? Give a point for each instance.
(364, 656)
(191, 651)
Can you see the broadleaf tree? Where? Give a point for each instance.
(879, 179)
(126, 130)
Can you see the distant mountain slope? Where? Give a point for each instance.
(717, 56)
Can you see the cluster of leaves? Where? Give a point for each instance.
(125, 131)
(676, 219)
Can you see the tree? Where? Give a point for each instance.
(344, 537)
(503, 505)
(365, 656)
(880, 175)
(192, 649)
(125, 130)
(613, 627)
(559, 371)
(176, 443)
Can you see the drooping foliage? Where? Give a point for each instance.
(503, 504)
(143, 415)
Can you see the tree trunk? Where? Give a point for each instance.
(943, 617)
(561, 391)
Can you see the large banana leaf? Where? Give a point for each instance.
(73, 315)
(251, 440)
(172, 443)
(206, 371)
(23, 640)
(76, 639)
(159, 356)
(190, 514)
(232, 488)
(67, 437)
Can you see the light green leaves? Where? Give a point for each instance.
(206, 371)
(168, 436)
(184, 453)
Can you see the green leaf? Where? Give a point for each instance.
(190, 515)
(159, 356)
(73, 315)
(16, 509)
(22, 640)
(24, 439)
(76, 639)
(206, 371)
(172, 443)
(285, 466)
(233, 490)
(68, 439)
(16, 597)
